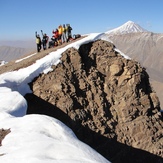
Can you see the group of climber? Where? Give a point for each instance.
(61, 35)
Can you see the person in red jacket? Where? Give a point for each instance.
(56, 36)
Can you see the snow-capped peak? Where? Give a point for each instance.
(128, 27)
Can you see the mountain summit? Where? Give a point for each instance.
(128, 27)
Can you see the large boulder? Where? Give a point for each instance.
(106, 99)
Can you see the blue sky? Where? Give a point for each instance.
(21, 18)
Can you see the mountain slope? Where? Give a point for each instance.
(8, 53)
(128, 27)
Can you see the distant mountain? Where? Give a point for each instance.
(128, 27)
(29, 44)
(11, 50)
(8, 53)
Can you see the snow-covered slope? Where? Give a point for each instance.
(128, 27)
(43, 139)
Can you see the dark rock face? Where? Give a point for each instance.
(106, 99)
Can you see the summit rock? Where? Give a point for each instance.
(106, 99)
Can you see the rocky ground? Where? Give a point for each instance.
(105, 99)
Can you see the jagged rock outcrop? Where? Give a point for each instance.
(108, 101)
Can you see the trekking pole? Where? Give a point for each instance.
(42, 32)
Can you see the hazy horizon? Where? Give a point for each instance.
(28, 43)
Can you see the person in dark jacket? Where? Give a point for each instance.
(38, 42)
(44, 40)
(68, 31)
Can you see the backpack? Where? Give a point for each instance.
(76, 36)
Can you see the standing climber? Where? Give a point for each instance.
(64, 38)
(60, 30)
(38, 42)
(44, 40)
(56, 36)
(68, 31)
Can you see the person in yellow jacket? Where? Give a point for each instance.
(38, 42)
(60, 31)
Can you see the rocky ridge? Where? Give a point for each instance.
(106, 99)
